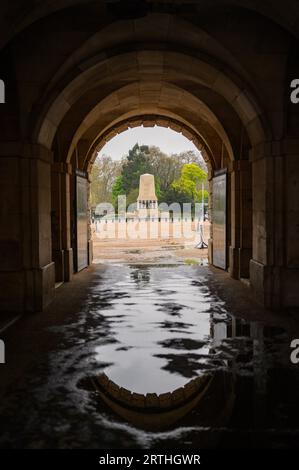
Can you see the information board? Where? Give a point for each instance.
(219, 221)
(82, 222)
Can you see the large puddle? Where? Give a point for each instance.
(160, 325)
(152, 329)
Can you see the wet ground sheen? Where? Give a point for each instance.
(152, 329)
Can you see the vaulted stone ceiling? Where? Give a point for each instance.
(89, 66)
(19, 14)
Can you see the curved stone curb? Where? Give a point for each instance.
(151, 411)
(151, 402)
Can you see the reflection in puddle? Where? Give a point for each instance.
(174, 328)
(165, 317)
(153, 329)
(156, 412)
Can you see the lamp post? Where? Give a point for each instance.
(202, 244)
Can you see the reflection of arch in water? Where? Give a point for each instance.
(155, 412)
(140, 274)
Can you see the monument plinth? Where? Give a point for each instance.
(147, 199)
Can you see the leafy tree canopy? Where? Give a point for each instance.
(103, 175)
(136, 164)
(118, 187)
(178, 177)
(190, 182)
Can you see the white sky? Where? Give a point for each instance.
(168, 140)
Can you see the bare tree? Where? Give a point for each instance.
(103, 174)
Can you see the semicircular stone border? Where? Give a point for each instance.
(151, 402)
(151, 121)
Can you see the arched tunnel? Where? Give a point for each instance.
(78, 73)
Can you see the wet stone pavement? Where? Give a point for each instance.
(151, 329)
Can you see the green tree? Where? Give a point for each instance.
(190, 156)
(178, 177)
(167, 168)
(136, 164)
(118, 188)
(164, 168)
(132, 196)
(190, 182)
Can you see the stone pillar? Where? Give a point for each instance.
(240, 251)
(233, 268)
(61, 221)
(12, 279)
(269, 229)
(245, 250)
(290, 220)
(26, 268)
(89, 236)
(210, 209)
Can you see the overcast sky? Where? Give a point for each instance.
(168, 140)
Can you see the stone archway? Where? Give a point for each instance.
(144, 101)
(197, 78)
